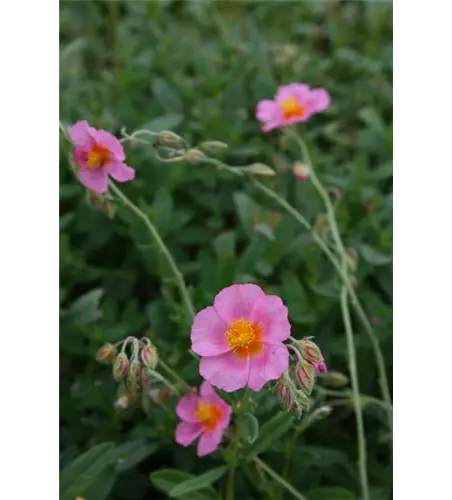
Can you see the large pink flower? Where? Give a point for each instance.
(205, 416)
(98, 154)
(293, 103)
(241, 338)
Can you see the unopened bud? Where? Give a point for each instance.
(194, 156)
(106, 354)
(122, 403)
(144, 379)
(170, 139)
(305, 376)
(149, 356)
(352, 259)
(336, 379)
(213, 148)
(303, 401)
(260, 169)
(133, 378)
(323, 411)
(109, 208)
(322, 225)
(310, 351)
(300, 170)
(284, 391)
(120, 367)
(94, 199)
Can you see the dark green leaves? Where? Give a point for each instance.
(271, 431)
(168, 479)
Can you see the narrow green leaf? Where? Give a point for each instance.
(373, 256)
(77, 477)
(250, 428)
(102, 485)
(165, 480)
(271, 431)
(198, 482)
(331, 494)
(132, 453)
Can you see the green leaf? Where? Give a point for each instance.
(245, 207)
(331, 494)
(85, 309)
(271, 431)
(250, 428)
(167, 479)
(165, 122)
(198, 482)
(130, 454)
(373, 256)
(102, 485)
(77, 477)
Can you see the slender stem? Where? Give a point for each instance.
(356, 396)
(279, 479)
(173, 374)
(162, 247)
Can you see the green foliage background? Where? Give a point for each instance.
(199, 68)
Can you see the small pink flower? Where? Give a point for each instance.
(205, 416)
(241, 338)
(293, 103)
(98, 154)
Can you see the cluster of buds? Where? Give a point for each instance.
(295, 387)
(132, 364)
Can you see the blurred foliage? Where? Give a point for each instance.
(199, 68)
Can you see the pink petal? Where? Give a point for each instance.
(186, 433)
(120, 171)
(110, 142)
(268, 111)
(208, 333)
(270, 365)
(236, 301)
(80, 154)
(95, 179)
(225, 371)
(187, 406)
(297, 90)
(209, 442)
(270, 312)
(80, 133)
(207, 390)
(319, 100)
(272, 125)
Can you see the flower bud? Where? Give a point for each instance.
(133, 378)
(352, 259)
(122, 403)
(194, 156)
(120, 367)
(106, 354)
(303, 401)
(336, 379)
(305, 375)
(300, 170)
(213, 148)
(260, 169)
(109, 208)
(285, 394)
(310, 351)
(170, 139)
(144, 379)
(149, 356)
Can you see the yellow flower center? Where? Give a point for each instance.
(292, 109)
(209, 415)
(244, 338)
(97, 157)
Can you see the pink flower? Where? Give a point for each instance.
(98, 154)
(241, 338)
(293, 103)
(205, 416)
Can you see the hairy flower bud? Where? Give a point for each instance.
(133, 378)
(310, 351)
(213, 148)
(194, 156)
(285, 393)
(300, 170)
(336, 379)
(170, 139)
(106, 354)
(120, 367)
(260, 169)
(144, 379)
(149, 356)
(122, 403)
(305, 375)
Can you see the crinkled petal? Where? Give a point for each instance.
(268, 111)
(236, 301)
(270, 365)
(110, 142)
(209, 442)
(225, 371)
(120, 171)
(318, 100)
(81, 134)
(208, 333)
(297, 90)
(186, 433)
(270, 312)
(95, 179)
(186, 408)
